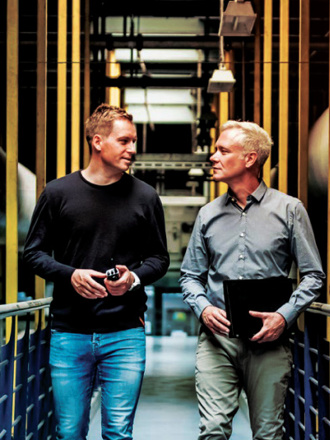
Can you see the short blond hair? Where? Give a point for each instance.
(251, 137)
(102, 119)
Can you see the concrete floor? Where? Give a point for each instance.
(168, 408)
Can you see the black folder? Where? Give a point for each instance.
(260, 295)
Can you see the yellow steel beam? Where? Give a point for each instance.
(12, 157)
(61, 87)
(223, 117)
(214, 134)
(12, 152)
(87, 81)
(113, 96)
(257, 67)
(328, 223)
(75, 87)
(267, 73)
(283, 97)
(224, 106)
(303, 105)
(41, 118)
(41, 96)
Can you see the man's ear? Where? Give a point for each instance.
(250, 159)
(97, 142)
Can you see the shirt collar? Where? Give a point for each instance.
(257, 195)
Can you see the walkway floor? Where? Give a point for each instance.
(167, 408)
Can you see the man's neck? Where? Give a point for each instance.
(98, 176)
(242, 190)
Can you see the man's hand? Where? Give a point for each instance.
(216, 320)
(120, 286)
(273, 326)
(83, 283)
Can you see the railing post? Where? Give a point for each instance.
(7, 359)
(323, 388)
(308, 397)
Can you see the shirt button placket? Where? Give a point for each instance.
(242, 247)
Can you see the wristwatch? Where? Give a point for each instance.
(136, 282)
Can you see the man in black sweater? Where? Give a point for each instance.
(83, 224)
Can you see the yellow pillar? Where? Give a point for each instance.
(267, 73)
(87, 82)
(223, 117)
(75, 87)
(303, 116)
(61, 87)
(328, 223)
(12, 158)
(283, 97)
(257, 66)
(41, 114)
(224, 112)
(112, 94)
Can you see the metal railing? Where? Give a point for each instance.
(26, 403)
(26, 407)
(307, 406)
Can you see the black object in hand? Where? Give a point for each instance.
(112, 274)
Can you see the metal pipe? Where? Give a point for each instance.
(23, 307)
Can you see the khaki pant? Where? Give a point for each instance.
(224, 367)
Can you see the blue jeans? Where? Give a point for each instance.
(119, 360)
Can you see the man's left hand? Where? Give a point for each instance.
(273, 326)
(120, 286)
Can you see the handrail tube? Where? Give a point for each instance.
(322, 308)
(24, 306)
(315, 307)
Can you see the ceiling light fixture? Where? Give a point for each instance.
(222, 79)
(238, 19)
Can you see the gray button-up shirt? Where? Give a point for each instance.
(260, 241)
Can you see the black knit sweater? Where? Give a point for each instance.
(77, 224)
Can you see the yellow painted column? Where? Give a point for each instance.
(303, 116)
(257, 67)
(214, 134)
(267, 73)
(12, 153)
(223, 117)
(61, 87)
(87, 80)
(75, 87)
(41, 116)
(328, 224)
(12, 157)
(112, 94)
(224, 111)
(283, 97)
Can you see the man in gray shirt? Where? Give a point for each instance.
(251, 232)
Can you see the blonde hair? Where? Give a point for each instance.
(102, 119)
(251, 137)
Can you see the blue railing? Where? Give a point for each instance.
(307, 407)
(26, 404)
(26, 409)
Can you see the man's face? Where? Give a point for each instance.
(228, 160)
(118, 148)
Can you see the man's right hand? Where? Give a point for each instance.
(216, 320)
(83, 283)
